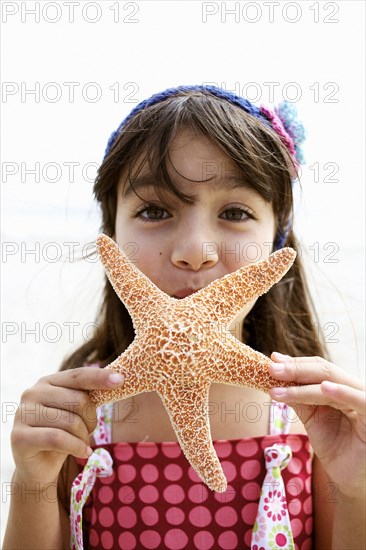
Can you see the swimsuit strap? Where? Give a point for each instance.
(280, 418)
(103, 432)
(272, 526)
(99, 464)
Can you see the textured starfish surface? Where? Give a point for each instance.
(182, 346)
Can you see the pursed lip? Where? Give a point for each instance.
(185, 292)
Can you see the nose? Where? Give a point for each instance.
(191, 251)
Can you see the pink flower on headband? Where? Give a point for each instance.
(284, 122)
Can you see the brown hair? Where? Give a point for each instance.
(284, 318)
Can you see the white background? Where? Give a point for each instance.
(318, 63)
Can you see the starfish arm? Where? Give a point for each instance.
(137, 292)
(240, 365)
(224, 298)
(187, 407)
(136, 380)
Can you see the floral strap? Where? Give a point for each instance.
(272, 527)
(99, 465)
(280, 419)
(103, 431)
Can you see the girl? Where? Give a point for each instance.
(193, 181)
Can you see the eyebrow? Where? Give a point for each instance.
(145, 181)
(138, 183)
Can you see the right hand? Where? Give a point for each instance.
(55, 418)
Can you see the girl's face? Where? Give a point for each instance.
(184, 247)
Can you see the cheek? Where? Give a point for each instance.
(126, 235)
(239, 254)
(147, 259)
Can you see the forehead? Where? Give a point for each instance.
(199, 159)
(190, 159)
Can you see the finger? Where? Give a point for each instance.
(310, 370)
(56, 397)
(85, 378)
(73, 401)
(50, 439)
(48, 417)
(344, 395)
(309, 395)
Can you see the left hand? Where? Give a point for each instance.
(332, 406)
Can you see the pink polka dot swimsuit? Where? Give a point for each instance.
(153, 499)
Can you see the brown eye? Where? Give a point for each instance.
(235, 214)
(154, 213)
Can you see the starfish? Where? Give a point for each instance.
(182, 346)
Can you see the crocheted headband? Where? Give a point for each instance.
(283, 120)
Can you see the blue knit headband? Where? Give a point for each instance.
(283, 120)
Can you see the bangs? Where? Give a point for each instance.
(154, 163)
(255, 149)
(263, 162)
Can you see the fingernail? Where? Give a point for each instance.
(116, 378)
(278, 392)
(89, 451)
(277, 368)
(279, 355)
